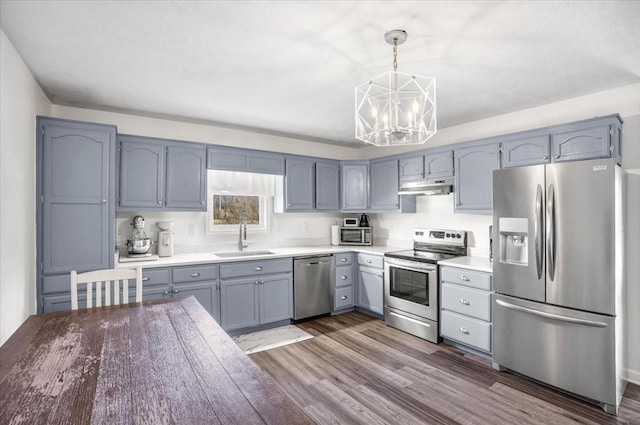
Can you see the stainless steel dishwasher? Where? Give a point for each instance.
(312, 286)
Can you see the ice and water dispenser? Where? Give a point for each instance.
(514, 240)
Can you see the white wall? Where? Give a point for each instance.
(21, 99)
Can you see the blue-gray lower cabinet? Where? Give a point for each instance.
(473, 178)
(354, 179)
(254, 301)
(207, 293)
(370, 291)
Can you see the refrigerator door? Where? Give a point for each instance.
(569, 349)
(580, 236)
(518, 210)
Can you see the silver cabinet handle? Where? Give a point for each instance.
(262, 282)
(344, 260)
(464, 302)
(195, 274)
(545, 157)
(369, 261)
(258, 268)
(165, 293)
(464, 277)
(557, 156)
(552, 315)
(145, 278)
(344, 297)
(343, 277)
(159, 202)
(104, 201)
(175, 291)
(464, 331)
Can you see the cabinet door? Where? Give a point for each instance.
(586, 143)
(327, 185)
(62, 302)
(78, 212)
(370, 290)
(474, 177)
(206, 293)
(235, 159)
(276, 298)
(299, 184)
(438, 165)
(141, 175)
(527, 151)
(411, 168)
(355, 187)
(186, 178)
(384, 185)
(239, 303)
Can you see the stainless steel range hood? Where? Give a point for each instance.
(443, 186)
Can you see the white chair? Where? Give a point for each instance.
(107, 277)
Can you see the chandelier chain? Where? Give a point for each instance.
(395, 54)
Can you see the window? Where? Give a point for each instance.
(225, 210)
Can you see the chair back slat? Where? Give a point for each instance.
(111, 288)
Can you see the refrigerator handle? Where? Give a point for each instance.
(551, 232)
(552, 315)
(538, 229)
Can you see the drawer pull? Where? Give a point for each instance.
(344, 260)
(165, 292)
(369, 261)
(464, 277)
(344, 297)
(343, 277)
(175, 291)
(145, 278)
(195, 274)
(464, 331)
(464, 302)
(259, 268)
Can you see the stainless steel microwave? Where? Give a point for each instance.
(356, 236)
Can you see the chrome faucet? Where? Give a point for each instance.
(242, 237)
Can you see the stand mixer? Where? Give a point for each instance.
(139, 245)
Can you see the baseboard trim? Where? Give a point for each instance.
(633, 376)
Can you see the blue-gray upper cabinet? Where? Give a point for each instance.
(75, 178)
(327, 185)
(251, 161)
(355, 186)
(299, 186)
(584, 143)
(526, 151)
(141, 173)
(473, 179)
(186, 178)
(383, 181)
(438, 164)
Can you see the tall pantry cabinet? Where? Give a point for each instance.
(75, 214)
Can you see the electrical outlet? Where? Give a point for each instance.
(191, 230)
(306, 226)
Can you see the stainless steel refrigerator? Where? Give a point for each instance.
(558, 274)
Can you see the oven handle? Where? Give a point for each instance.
(410, 265)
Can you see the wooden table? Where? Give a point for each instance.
(158, 362)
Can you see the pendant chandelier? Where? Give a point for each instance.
(396, 108)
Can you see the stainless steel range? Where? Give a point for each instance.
(411, 281)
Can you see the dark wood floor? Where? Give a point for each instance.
(357, 370)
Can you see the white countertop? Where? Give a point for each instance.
(210, 257)
(482, 264)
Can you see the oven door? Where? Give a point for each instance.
(411, 286)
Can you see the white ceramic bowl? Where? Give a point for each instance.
(165, 225)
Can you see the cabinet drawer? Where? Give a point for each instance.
(53, 284)
(343, 258)
(467, 301)
(194, 274)
(344, 276)
(254, 268)
(466, 330)
(466, 277)
(156, 277)
(343, 297)
(370, 260)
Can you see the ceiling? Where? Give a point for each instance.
(290, 67)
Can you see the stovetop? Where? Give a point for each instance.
(420, 256)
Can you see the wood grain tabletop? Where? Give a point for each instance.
(159, 362)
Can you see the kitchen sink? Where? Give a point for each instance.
(231, 254)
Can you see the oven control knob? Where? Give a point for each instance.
(448, 235)
(458, 236)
